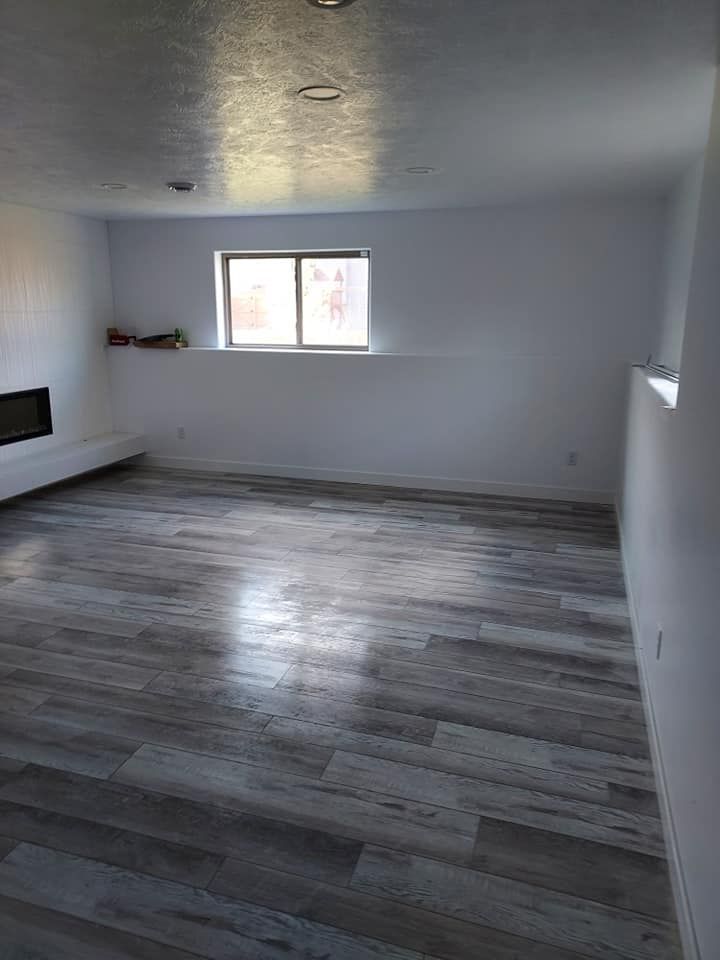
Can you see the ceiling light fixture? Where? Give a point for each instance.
(113, 186)
(320, 93)
(420, 171)
(181, 186)
(330, 4)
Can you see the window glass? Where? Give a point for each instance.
(262, 300)
(335, 301)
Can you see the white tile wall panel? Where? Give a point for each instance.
(55, 303)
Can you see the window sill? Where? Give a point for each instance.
(344, 351)
(665, 389)
(266, 350)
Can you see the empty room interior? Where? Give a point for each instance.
(359, 480)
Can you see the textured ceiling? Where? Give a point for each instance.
(508, 99)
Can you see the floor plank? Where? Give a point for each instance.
(179, 916)
(75, 619)
(35, 933)
(18, 700)
(124, 848)
(590, 787)
(6, 845)
(113, 674)
(458, 708)
(178, 821)
(197, 711)
(615, 767)
(575, 818)
(263, 672)
(389, 921)
(597, 701)
(439, 690)
(462, 652)
(304, 759)
(377, 721)
(24, 633)
(558, 919)
(605, 874)
(64, 747)
(353, 813)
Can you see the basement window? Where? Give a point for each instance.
(297, 301)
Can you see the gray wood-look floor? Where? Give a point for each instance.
(257, 719)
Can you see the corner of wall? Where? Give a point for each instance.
(685, 920)
(686, 925)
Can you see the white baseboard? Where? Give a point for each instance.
(450, 484)
(691, 949)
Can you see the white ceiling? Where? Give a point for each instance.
(509, 99)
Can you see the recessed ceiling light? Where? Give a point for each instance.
(113, 186)
(330, 4)
(181, 186)
(420, 171)
(320, 93)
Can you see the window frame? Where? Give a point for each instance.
(360, 253)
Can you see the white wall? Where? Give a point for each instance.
(509, 331)
(55, 302)
(683, 206)
(671, 528)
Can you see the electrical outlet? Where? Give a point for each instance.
(181, 433)
(572, 458)
(658, 650)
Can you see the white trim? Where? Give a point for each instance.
(60, 463)
(451, 484)
(691, 949)
(221, 296)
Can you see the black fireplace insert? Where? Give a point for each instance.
(25, 414)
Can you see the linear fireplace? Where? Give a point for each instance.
(25, 414)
